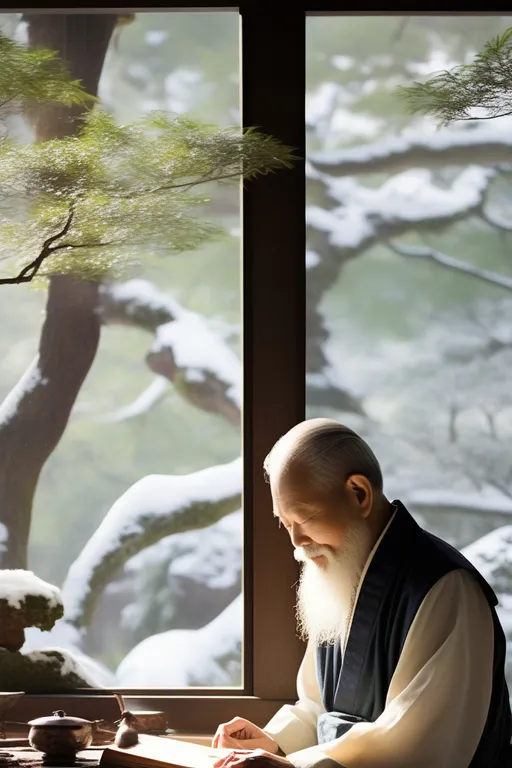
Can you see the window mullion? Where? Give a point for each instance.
(273, 99)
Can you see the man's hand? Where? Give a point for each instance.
(240, 734)
(256, 758)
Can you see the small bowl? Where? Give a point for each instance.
(60, 737)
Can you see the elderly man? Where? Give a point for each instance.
(404, 666)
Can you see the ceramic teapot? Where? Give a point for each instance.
(60, 737)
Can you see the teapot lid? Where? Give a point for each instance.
(59, 718)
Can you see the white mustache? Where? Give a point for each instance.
(303, 554)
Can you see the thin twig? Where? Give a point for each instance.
(496, 220)
(454, 265)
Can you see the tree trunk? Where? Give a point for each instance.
(35, 415)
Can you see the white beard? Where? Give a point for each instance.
(327, 594)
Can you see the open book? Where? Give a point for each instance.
(160, 751)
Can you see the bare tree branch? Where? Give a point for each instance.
(29, 272)
(151, 396)
(454, 265)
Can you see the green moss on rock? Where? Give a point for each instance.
(26, 601)
(40, 672)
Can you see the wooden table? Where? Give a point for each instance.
(88, 758)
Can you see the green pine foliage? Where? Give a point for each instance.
(98, 200)
(481, 90)
(35, 77)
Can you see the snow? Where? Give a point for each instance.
(195, 345)
(4, 537)
(328, 111)
(321, 104)
(31, 379)
(153, 496)
(146, 400)
(486, 500)
(346, 124)
(438, 61)
(197, 348)
(156, 36)
(343, 63)
(181, 658)
(412, 140)
(69, 665)
(312, 259)
(17, 584)
(142, 293)
(66, 639)
(497, 219)
(410, 196)
(347, 227)
(492, 553)
(211, 556)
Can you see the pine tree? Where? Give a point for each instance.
(481, 90)
(35, 77)
(90, 204)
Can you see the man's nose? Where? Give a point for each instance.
(298, 537)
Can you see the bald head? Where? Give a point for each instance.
(327, 453)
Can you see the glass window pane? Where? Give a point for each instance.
(409, 315)
(120, 439)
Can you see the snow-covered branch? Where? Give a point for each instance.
(151, 396)
(496, 220)
(137, 303)
(487, 501)
(156, 506)
(203, 369)
(187, 350)
(405, 202)
(481, 145)
(361, 218)
(454, 265)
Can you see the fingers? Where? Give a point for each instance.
(235, 758)
(222, 741)
(241, 758)
(237, 728)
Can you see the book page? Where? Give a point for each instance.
(168, 751)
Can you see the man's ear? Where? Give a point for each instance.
(360, 491)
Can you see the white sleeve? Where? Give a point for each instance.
(294, 726)
(439, 696)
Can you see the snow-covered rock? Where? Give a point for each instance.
(66, 639)
(16, 585)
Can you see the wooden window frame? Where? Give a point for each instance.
(273, 99)
(273, 60)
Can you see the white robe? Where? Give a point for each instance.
(437, 702)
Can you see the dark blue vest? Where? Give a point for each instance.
(406, 565)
